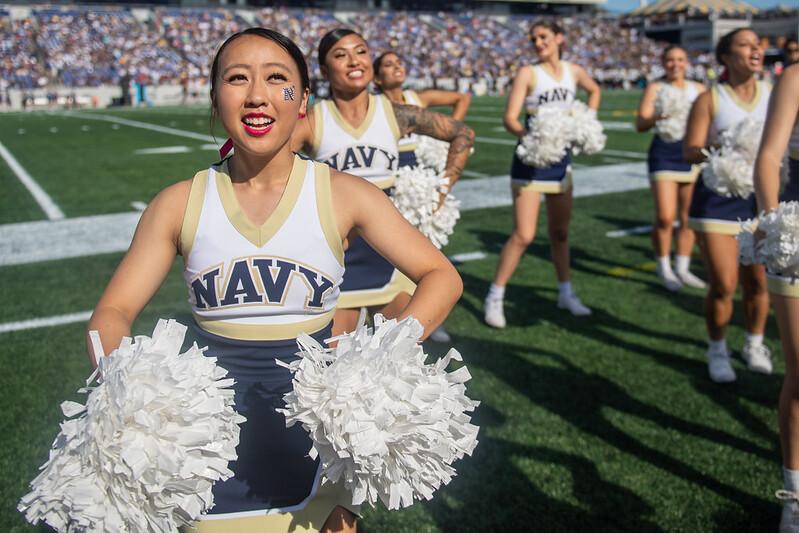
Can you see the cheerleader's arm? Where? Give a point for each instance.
(522, 84)
(645, 120)
(587, 83)
(459, 102)
(696, 131)
(412, 119)
(783, 110)
(361, 207)
(142, 270)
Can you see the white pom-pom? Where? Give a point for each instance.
(779, 247)
(153, 437)
(730, 167)
(554, 130)
(432, 153)
(587, 134)
(674, 106)
(417, 192)
(548, 137)
(382, 421)
(748, 246)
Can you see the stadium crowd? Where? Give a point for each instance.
(93, 46)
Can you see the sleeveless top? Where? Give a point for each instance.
(549, 90)
(265, 282)
(728, 109)
(409, 142)
(368, 151)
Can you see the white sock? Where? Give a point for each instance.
(682, 262)
(754, 340)
(565, 288)
(717, 346)
(664, 264)
(790, 478)
(496, 292)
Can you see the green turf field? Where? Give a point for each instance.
(600, 423)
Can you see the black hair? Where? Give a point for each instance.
(330, 39)
(724, 46)
(379, 61)
(668, 49)
(278, 38)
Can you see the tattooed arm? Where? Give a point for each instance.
(412, 119)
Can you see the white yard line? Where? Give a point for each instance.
(163, 150)
(143, 125)
(467, 256)
(637, 230)
(47, 204)
(45, 322)
(474, 174)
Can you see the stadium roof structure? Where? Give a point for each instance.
(664, 7)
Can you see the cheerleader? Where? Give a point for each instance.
(390, 76)
(782, 130)
(671, 177)
(261, 234)
(716, 218)
(550, 82)
(357, 132)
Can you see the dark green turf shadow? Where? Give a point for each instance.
(609, 329)
(554, 389)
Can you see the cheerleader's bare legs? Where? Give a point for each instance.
(525, 221)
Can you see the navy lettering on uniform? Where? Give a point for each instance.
(392, 159)
(333, 161)
(205, 289)
(367, 159)
(241, 283)
(350, 161)
(274, 287)
(319, 288)
(558, 94)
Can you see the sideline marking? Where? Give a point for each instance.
(474, 174)
(637, 230)
(467, 256)
(140, 124)
(163, 150)
(46, 322)
(626, 272)
(47, 204)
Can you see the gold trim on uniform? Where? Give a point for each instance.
(746, 106)
(309, 519)
(714, 98)
(343, 124)
(374, 297)
(544, 186)
(676, 175)
(259, 236)
(385, 183)
(388, 109)
(782, 285)
(547, 67)
(324, 203)
(194, 207)
(263, 332)
(714, 225)
(318, 128)
(409, 147)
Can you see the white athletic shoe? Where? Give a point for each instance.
(719, 367)
(573, 304)
(440, 335)
(494, 313)
(669, 279)
(789, 521)
(758, 358)
(689, 280)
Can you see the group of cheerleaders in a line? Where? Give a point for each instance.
(274, 244)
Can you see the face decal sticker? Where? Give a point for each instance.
(288, 93)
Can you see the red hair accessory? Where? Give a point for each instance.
(226, 148)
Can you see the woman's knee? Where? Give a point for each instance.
(523, 238)
(559, 235)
